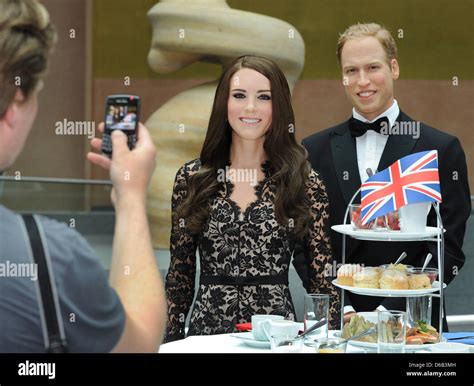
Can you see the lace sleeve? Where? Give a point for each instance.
(319, 248)
(182, 271)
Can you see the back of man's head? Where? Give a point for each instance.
(357, 31)
(26, 38)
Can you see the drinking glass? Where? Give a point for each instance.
(391, 331)
(286, 343)
(316, 307)
(419, 310)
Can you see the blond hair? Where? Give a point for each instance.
(365, 30)
(26, 39)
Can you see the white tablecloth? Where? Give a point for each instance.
(225, 343)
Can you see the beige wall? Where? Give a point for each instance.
(63, 97)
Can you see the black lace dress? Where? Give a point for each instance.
(244, 260)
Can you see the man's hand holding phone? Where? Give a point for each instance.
(130, 170)
(122, 112)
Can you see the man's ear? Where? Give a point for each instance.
(19, 96)
(395, 69)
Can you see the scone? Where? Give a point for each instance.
(345, 273)
(393, 279)
(419, 281)
(398, 267)
(367, 278)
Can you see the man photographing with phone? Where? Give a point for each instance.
(125, 313)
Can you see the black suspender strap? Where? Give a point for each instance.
(47, 300)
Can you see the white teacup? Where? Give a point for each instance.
(280, 327)
(413, 217)
(258, 331)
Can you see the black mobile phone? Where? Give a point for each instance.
(122, 112)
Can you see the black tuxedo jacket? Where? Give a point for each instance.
(332, 153)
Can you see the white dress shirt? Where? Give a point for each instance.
(370, 147)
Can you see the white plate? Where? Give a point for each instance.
(389, 292)
(386, 235)
(372, 317)
(249, 340)
(373, 346)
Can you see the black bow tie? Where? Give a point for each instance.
(358, 128)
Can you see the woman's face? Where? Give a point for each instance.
(249, 107)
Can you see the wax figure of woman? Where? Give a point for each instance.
(243, 204)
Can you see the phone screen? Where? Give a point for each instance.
(122, 117)
(121, 113)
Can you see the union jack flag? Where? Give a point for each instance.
(409, 180)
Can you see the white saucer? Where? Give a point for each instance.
(249, 340)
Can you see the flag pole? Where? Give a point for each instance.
(440, 249)
(344, 221)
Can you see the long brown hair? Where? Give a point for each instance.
(288, 165)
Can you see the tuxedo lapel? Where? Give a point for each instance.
(343, 147)
(397, 146)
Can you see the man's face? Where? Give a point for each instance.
(15, 128)
(367, 77)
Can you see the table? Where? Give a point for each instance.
(225, 343)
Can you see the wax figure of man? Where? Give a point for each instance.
(342, 154)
